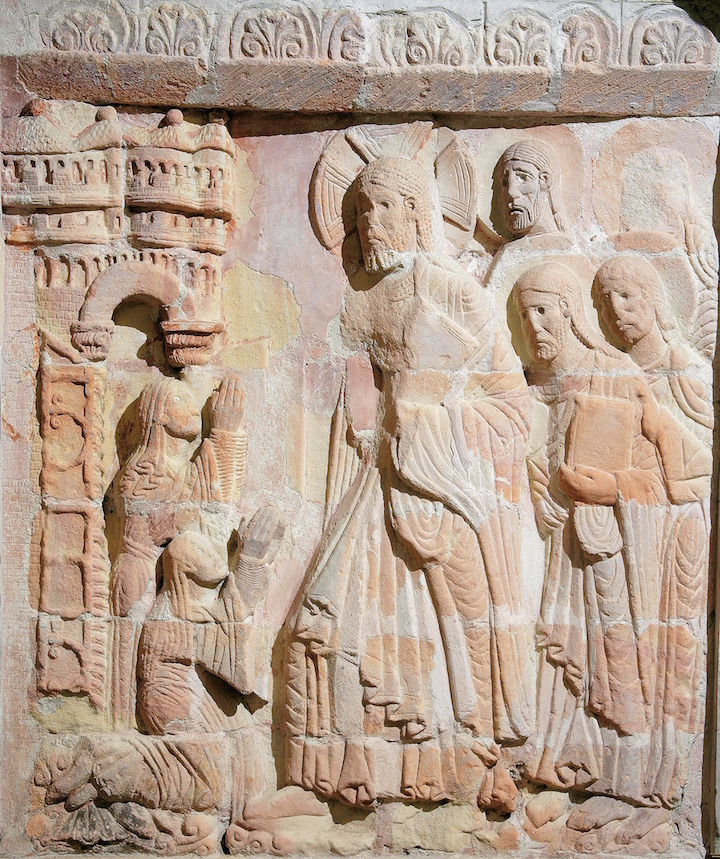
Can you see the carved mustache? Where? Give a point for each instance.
(520, 207)
(377, 234)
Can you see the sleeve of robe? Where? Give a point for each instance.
(686, 461)
(218, 470)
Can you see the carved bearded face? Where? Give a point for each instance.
(625, 309)
(524, 194)
(544, 319)
(386, 224)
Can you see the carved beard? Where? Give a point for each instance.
(380, 250)
(549, 347)
(380, 259)
(524, 214)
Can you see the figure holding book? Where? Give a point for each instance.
(599, 482)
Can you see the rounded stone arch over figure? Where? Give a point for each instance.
(92, 332)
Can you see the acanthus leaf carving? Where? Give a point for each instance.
(275, 34)
(435, 37)
(345, 35)
(177, 30)
(669, 40)
(591, 39)
(522, 39)
(105, 29)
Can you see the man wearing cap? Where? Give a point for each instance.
(530, 202)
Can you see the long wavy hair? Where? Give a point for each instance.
(645, 274)
(145, 473)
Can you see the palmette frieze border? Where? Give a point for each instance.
(586, 36)
(168, 29)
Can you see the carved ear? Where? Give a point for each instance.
(544, 180)
(565, 307)
(411, 204)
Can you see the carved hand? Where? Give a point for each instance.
(263, 535)
(589, 485)
(227, 405)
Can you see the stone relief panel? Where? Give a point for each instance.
(368, 471)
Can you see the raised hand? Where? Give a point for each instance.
(227, 405)
(263, 535)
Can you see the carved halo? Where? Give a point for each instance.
(440, 151)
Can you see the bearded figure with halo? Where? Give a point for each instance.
(409, 650)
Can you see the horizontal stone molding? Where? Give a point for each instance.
(293, 58)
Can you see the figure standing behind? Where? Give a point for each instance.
(600, 484)
(530, 201)
(633, 310)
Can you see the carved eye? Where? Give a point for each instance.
(541, 311)
(176, 398)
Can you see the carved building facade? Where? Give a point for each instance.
(358, 468)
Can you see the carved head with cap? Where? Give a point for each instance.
(530, 189)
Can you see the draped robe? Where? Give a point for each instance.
(409, 653)
(604, 615)
(680, 383)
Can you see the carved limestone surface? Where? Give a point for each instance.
(432, 38)
(72, 657)
(520, 39)
(664, 38)
(358, 474)
(418, 559)
(592, 39)
(530, 201)
(71, 426)
(619, 487)
(73, 561)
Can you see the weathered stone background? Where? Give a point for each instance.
(282, 292)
